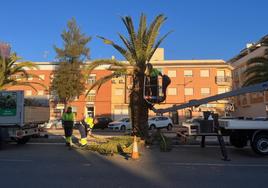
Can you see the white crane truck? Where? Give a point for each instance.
(240, 131)
(20, 117)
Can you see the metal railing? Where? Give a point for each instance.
(223, 79)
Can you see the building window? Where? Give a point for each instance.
(30, 78)
(41, 77)
(91, 96)
(188, 73)
(188, 91)
(40, 92)
(223, 90)
(113, 82)
(119, 92)
(18, 77)
(172, 91)
(91, 79)
(204, 73)
(172, 73)
(121, 81)
(220, 73)
(205, 91)
(28, 92)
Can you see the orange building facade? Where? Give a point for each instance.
(196, 79)
(190, 79)
(95, 104)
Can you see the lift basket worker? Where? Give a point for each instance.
(68, 123)
(154, 73)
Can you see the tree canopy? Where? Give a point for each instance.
(138, 48)
(69, 81)
(74, 44)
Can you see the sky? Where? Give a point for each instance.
(202, 29)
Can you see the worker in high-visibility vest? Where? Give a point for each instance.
(84, 127)
(153, 73)
(90, 121)
(68, 123)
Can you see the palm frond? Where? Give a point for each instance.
(141, 38)
(120, 49)
(157, 45)
(142, 28)
(11, 83)
(129, 46)
(90, 67)
(154, 31)
(131, 31)
(10, 68)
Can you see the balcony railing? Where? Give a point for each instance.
(223, 80)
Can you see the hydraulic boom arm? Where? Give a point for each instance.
(249, 89)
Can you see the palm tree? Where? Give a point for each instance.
(257, 70)
(138, 49)
(11, 70)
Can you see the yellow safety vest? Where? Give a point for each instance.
(89, 121)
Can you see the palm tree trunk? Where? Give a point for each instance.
(139, 108)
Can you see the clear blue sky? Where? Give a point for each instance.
(203, 29)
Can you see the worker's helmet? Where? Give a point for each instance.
(69, 109)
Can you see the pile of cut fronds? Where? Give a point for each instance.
(113, 145)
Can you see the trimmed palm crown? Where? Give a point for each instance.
(138, 49)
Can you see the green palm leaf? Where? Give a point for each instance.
(10, 68)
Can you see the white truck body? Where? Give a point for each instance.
(233, 124)
(19, 120)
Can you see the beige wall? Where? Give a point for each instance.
(158, 55)
(248, 105)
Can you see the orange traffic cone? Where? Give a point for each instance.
(135, 152)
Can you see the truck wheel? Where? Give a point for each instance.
(238, 141)
(260, 144)
(23, 140)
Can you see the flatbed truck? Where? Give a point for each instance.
(20, 116)
(240, 131)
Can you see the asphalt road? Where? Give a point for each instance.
(53, 165)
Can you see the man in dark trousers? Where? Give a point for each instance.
(68, 123)
(84, 127)
(154, 73)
